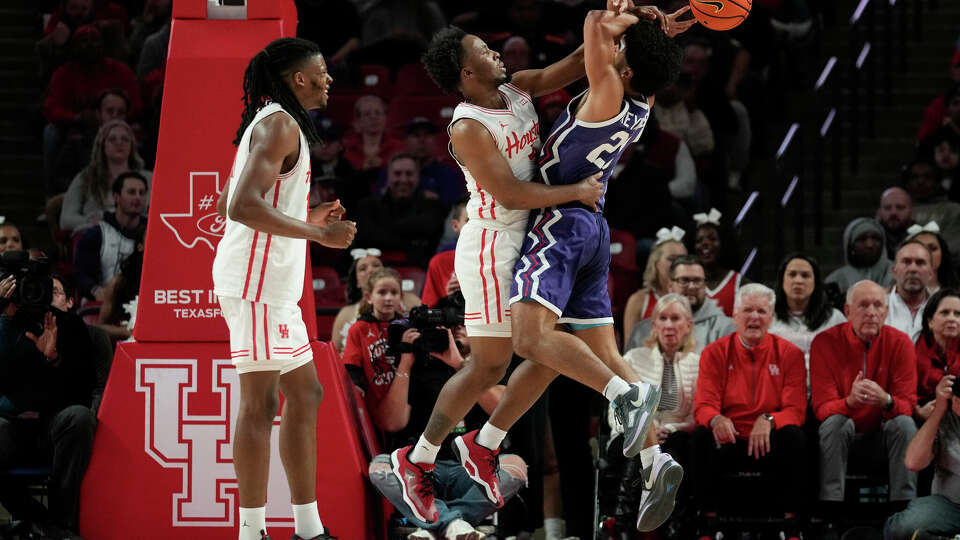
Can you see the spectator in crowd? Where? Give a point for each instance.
(74, 90)
(677, 110)
(75, 154)
(922, 182)
(709, 323)
(895, 215)
(656, 277)
(936, 115)
(402, 220)
(89, 194)
(912, 273)
(750, 403)
(515, 55)
(153, 56)
(46, 385)
(937, 442)
(334, 27)
(943, 275)
(401, 21)
(368, 146)
(102, 249)
(944, 147)
(441, 279)
(331, 168)
(438, 180)
(551, 106)
(396, 393)
(10, 237)
(69, 16)
(863, 241)
(713, 245)
(937, 348)
(365, 261)
(155, 16)
(668, 357)
(803, 309)
(863, 377)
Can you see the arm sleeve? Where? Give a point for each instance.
(794, 397)
(684, 184)
(828, 399)
(57, 107)
(71, 216)
(903, 379)
(708, 402)
(353, 350)
(86, 260)
(436, 285)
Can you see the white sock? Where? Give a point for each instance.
(615, 387)
(306, 520)
(647, 455)
(423, 452)
(490, 436)
(252, 521)
(554, 528)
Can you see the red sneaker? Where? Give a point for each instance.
(481, 463)
(416, 485)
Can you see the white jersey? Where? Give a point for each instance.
(256, 266)
(516, 130)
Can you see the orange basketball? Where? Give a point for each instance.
(720, 14)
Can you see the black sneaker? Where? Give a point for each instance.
(325, 535)
(634, 410)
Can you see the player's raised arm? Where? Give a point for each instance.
(273, 139)
(601, 35)
(476, 149)
(538, 82)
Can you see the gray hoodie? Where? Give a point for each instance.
(879, 272)
(709, 325)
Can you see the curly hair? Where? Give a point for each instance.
(653, 57)
(444, 58)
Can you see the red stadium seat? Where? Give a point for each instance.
(375, 79)
(328, 291)
(412, 79)
(413, 279)
(325, 319)
(341, 105)
(439, 109)
(623, 249)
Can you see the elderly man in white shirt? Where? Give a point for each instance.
(912, 272)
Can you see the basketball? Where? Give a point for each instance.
(721, 14)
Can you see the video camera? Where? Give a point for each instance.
(431, 323)
(33, 280)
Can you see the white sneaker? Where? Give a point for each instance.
(661, 480)
(459, 529)
(421, 534)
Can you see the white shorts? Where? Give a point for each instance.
(265, 337)
(484, 265)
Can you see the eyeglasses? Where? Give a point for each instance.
(685, 281)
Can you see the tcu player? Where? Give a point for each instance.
(258, 275)
(562, 272)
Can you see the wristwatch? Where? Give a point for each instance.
(769, 418)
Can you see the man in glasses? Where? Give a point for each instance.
(687, 277)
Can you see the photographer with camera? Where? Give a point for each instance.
(938, 441)
(402, 364)
(46, 385)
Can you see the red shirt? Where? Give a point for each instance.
(366, 348)
(353, 149)
(438, 274)
(743, 384)
(73, 89)
(837, 355)
(726, 292)
(932, 365)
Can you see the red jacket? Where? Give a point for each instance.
(743, 384)
(932, 365)
(438, 274)
(837, 355)
(73, 89)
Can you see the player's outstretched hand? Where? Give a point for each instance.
(338, 234)
(675, 27)
(619, 6)
(651, 14)
(591, 190)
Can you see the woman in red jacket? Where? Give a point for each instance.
(937, 348)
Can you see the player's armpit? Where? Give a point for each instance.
(476, 150)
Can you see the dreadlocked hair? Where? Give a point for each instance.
(444, 58)
(263, 82)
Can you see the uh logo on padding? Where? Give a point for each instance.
(190, 413)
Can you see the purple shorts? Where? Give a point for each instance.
(564, 265)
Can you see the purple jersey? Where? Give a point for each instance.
(576, 149)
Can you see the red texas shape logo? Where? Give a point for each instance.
(201, 223)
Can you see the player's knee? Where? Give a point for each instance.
(525, 344)
(486, 375)
(260, 408)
